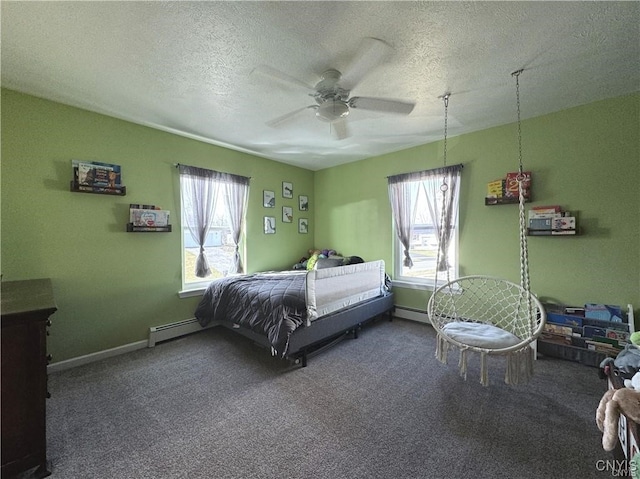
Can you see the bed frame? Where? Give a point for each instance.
(307, 341)
(339, 301)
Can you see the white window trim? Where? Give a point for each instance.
(427, 284)
(190, 293)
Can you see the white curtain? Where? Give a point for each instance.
(236, 196)
(443, 207)
(403, 193)
(199, 191)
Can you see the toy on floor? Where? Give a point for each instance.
(634, 382)
(625, 401)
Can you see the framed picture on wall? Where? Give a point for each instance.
(269, 225)
(269, 199)
(303, 203)
(303, 225)
(287, 189)
(287, 214)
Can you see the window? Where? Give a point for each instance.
(213, 206)
(417, 203)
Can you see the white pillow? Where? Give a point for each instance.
(480, 335)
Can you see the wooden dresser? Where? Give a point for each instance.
(26, 307)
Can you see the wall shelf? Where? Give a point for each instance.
(148, 229)
(504, 201)
(569, 232)
(97, 190)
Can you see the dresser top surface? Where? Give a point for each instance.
(27, 296)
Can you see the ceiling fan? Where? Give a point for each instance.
(333, 102)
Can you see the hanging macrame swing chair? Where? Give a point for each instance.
(483, 314)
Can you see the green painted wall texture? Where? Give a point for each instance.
(586, 159)
(111, 286)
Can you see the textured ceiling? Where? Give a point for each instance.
(185, 67)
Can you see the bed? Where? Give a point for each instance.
(298, 313)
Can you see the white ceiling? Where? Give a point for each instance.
(185, 67)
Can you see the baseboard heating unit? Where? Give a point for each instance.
(412, 314)
(164, 332)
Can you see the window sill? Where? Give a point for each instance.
(411, 285)
(189, 293)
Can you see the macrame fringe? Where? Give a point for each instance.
(519, 363)
(462, 363)
(519, 366)
(484, 369)
(442, 349)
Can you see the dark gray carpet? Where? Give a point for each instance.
(214, 405)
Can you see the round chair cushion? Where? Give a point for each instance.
(480, 335)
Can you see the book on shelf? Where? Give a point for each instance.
(495, 188)
(556, 338)
(604, 312)
(546, 209)
(148, 217)
(96, 173)
(602, 347)
(563, 223)
(135, 206)
(511, 189)
(557, 329)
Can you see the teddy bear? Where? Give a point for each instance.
(625, 400)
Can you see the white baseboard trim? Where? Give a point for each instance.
(156, 334)
(411, 314)
(90, 358)
(180, 328)
(164, 332)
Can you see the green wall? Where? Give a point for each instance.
(586, 159)
(111, 286)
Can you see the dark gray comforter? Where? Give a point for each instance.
(271, 304)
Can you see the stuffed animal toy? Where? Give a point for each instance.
(634, 382)
(614, 402)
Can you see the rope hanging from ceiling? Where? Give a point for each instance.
(483, 314)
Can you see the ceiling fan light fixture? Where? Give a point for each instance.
(332, 110)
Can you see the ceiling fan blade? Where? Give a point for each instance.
(384, 105)
(276, 122)
(340, 129)
(268, 72)
(371, 53)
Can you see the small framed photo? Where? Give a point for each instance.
(269, 225)
(287, 214)
(303, 203)
(269, 199)
(303, 226)
(287, 189)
